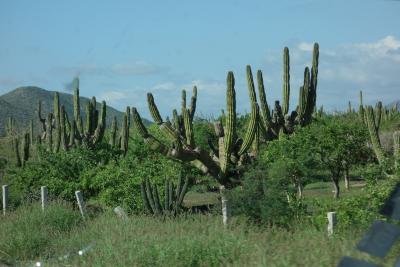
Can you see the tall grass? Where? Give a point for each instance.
(27, 235)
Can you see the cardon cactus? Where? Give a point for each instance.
(374, 134)
(396, 149)
(173, 197)
(279, 121)
(224, 163)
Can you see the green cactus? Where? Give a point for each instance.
(63, 130)
(56, 110)
(10, 127)
(286, 81)
(26, 141)
(378, 115)
(15, 143)
(113, 132)
(124, 135)
(374, 134)
(49, 132)
(31, 132)
(173, 199)
(279, 119)
(396, 149)
(361, 110)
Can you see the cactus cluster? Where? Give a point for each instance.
(60, 132)
(22, 152)
(279, 121)
(224, 161)
(173, 197)
(120, 142)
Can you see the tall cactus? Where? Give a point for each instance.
(113, 132)
(56, 110)
(396, 149)
(286, 81)
(124, 135)
(361, 108)
(374, 134)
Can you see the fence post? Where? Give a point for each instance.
(81, 203)
(5, 198)
(331, 222)
(44, 196)
(120, 212)
(224, 203)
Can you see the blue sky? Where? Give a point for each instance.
(123, 49)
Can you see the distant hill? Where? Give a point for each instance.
(22, 102)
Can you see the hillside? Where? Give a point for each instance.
(22, 102)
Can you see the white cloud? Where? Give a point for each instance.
(113, 96)
(307, 47)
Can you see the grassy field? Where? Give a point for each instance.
(28, 236)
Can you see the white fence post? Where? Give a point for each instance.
(81, 203)
(224, 203)
(44, 196)
(331, 222)
(120, 212)
(5, 198)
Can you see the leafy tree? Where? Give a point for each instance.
(338, 144)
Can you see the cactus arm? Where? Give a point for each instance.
(193, 101)
(314, 75)
(373, 132)
(230, 122)
(182, 193)
(72, 134)
(49, 132)
(145, 198)
(124, 135)
(188, 128)
(101, 125)
(361, 107)
(149, 194)
(113, 132)
(155, 114)
(266, 114)
(166, 195)
(378, 115)
(16, 151)
(63, 133)
(251, 130)
(157, 202)
(396, 149)
(77, 108)
(286, 81)
(41, 119)
(170, 194)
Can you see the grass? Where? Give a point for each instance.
(27, 236)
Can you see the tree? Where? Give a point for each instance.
(337, 144)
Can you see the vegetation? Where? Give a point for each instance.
(173, 178)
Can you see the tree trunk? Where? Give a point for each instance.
(347, 179)
(336, 187)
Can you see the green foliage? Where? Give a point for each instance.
(263, 199)
(28, 232)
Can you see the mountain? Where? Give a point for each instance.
(22, 103)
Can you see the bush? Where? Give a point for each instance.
(263, 199)
(28, 232)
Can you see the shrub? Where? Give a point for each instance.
(263, 199)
